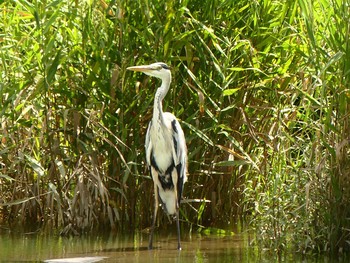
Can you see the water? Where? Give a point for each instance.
(196, 248)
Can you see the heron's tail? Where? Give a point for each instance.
(168, 200)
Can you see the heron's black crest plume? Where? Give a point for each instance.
(165, 66)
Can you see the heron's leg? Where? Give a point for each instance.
(175, 177)
(156, 205)
(178, 227)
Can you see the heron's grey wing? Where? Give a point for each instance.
(181, 156)
(180, 149)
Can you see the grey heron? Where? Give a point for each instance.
(166, 152)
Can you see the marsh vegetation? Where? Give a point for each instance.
(261, 89)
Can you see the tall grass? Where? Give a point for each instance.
(261, 88)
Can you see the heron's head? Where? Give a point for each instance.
(159, 70)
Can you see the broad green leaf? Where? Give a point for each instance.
(229, 92)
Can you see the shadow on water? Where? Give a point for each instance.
(196, 248)
(125, 249)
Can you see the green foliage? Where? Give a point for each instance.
(215, 231)
(261, 87)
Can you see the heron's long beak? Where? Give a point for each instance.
(144, 68)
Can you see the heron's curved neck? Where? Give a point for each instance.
(160, 94)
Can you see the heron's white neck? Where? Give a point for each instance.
(160, 94)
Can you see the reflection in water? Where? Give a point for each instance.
(75, 260)
(196, 248)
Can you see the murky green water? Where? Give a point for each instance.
(196, 248)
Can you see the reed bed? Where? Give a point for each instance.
(261, 89)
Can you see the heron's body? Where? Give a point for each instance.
(167, 167)
(166, 152)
